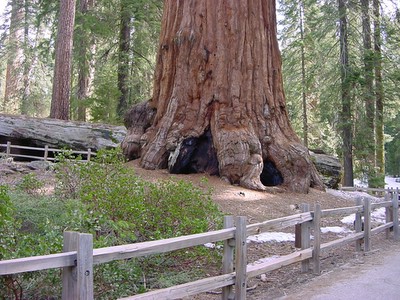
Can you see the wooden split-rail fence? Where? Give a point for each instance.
(46, 153)
(78, 257)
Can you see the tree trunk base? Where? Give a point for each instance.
(199, 155)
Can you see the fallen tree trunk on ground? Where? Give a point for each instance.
(27, 131)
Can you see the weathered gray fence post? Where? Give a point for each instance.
(305, 238)
(367, 225)
(317, 240)
(395, 201)
(388, 213)
(228, 259)
(358, 224)
(8, 151)
(241, 258)
(46, 152)
(77, 281)
(89, 153)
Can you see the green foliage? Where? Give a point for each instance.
(5, 205)
(392, 146)
(105, 198)
(8, 228)
(376, 181)
(30, 184)
(112, 197)
(321, 70)
(323, 85)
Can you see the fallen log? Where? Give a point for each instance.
(36, 132)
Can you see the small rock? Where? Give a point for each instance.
(39, 165)
(263, 278)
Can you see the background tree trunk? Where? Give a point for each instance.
(379, 91)
(86, 49)
(218, 81)
(369, 100)
(27, 66)
(60, 101)
(123, 58)
(303, 74)
(346, 118)
(14, 78)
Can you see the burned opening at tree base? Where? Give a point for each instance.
(270, 175)
(194, 155)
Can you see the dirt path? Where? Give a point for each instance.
(374, 275)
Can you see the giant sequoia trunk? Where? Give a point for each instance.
(218, 104)
(60, 101)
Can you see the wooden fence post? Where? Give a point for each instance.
(388, 214)
(305, 238)
(77, 281)
(227, 259)
(395, 201)
(367, 225)
(85, 266)
(317, 240)
(358, 224)
(69, 276)
(89, 153)
(46, 152)
(241, 258)
(8, 151)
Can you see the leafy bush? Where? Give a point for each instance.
(5, 206)
(117, 203)
(105, 198)
(31, 184)
(8, 228)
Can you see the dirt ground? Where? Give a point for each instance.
(261, 206)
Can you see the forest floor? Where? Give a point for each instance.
(261, 206)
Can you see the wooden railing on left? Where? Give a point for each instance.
(46, 151)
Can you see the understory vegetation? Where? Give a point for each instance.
(104, 198)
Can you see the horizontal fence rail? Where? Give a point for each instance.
(47, 151)
(78, 257)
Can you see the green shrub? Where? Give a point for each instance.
(117, 204)
(8, 226)
(31, 184)
(105, 198)
(6, 208)
(376, 181)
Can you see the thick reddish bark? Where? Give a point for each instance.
(60, 101)
(219, 72)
